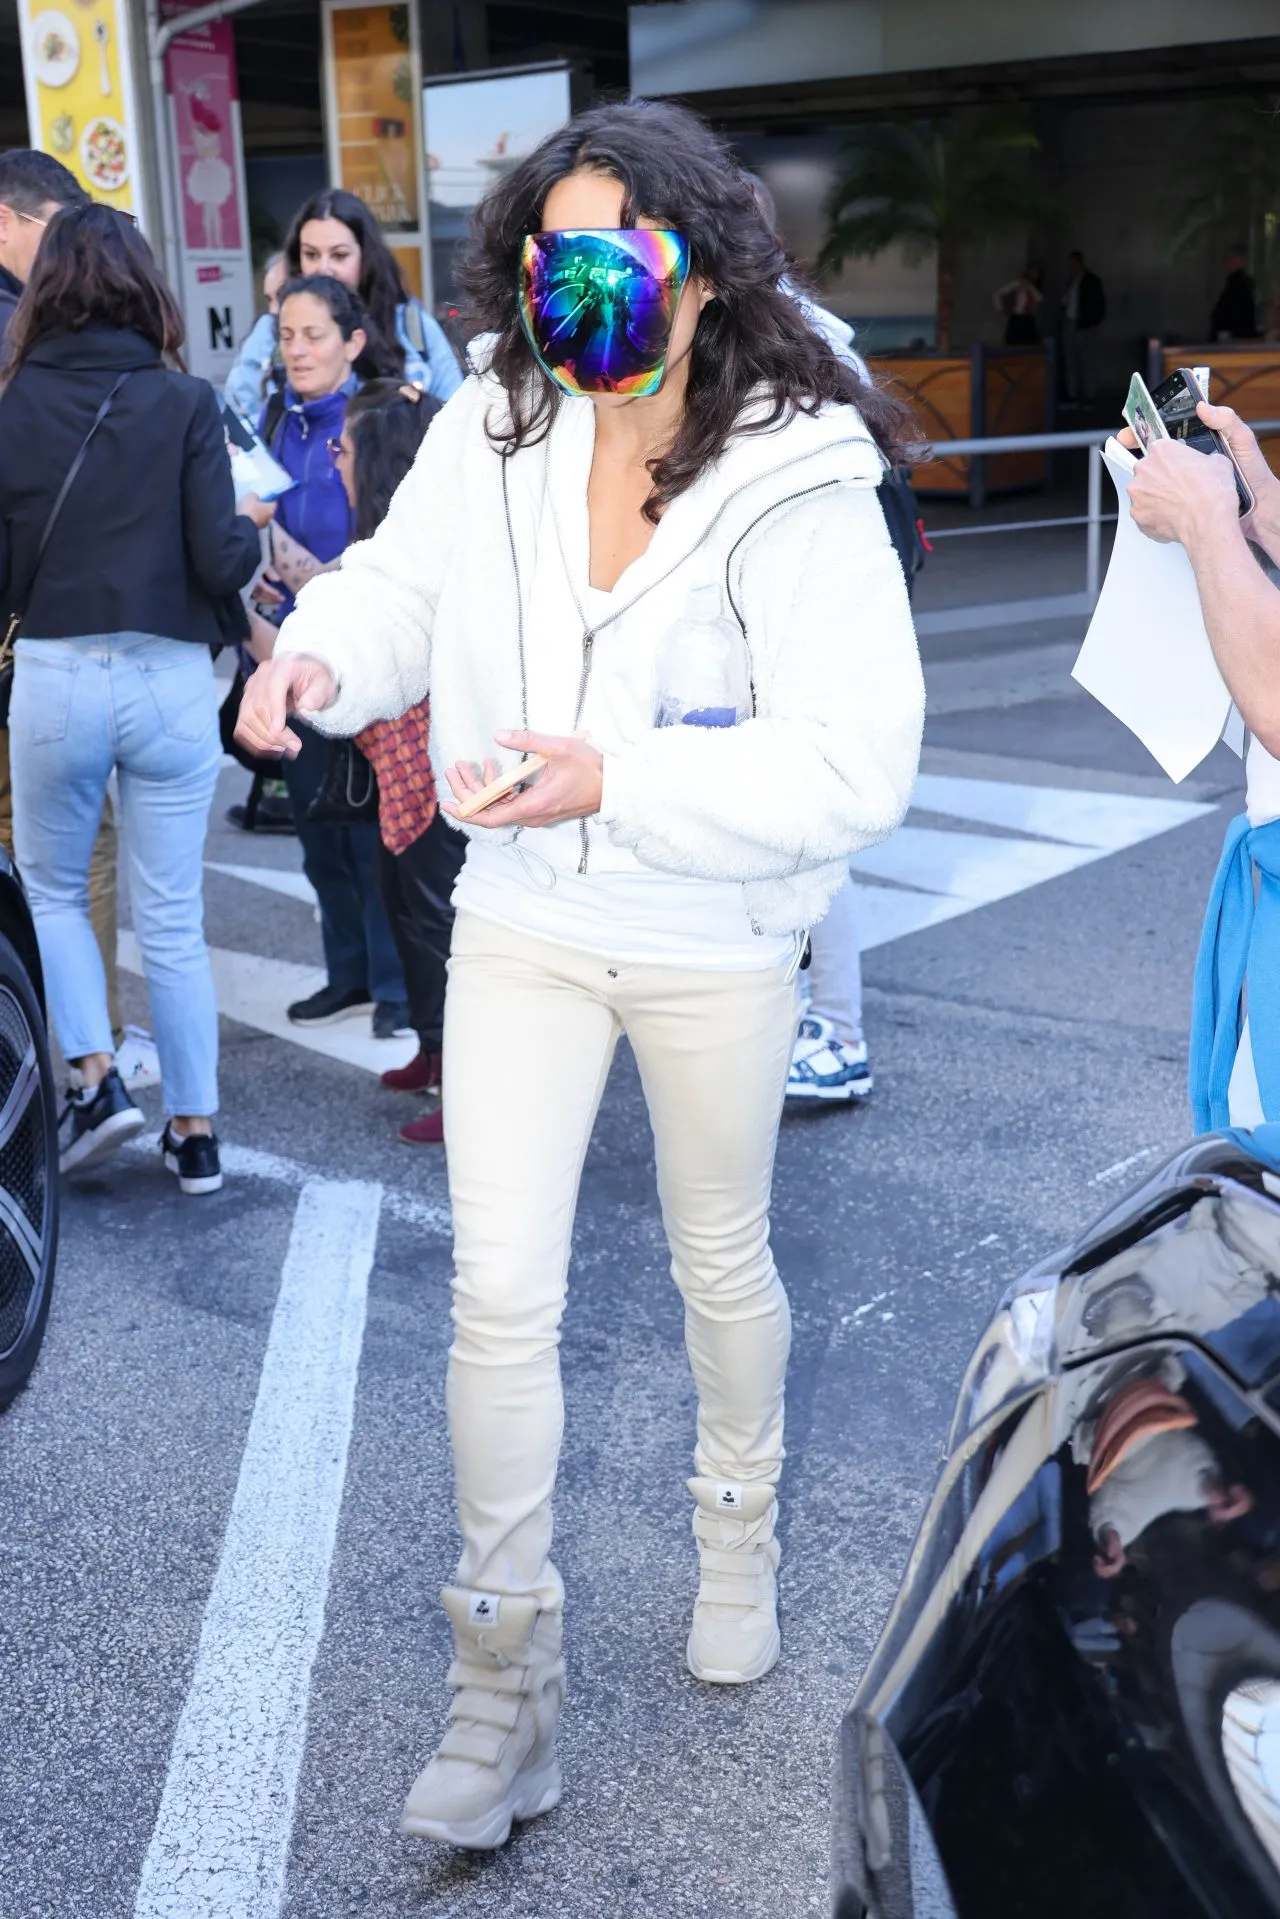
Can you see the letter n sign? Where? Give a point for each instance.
(221, 329)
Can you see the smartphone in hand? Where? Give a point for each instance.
(1176, 400)
(498, 789)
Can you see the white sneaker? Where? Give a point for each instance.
(497, 1762)
(826, 1069)
(734, 1638)
(137, 1061)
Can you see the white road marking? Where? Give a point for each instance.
(276, 879)
(221, 1839)
(930, 875)
(967, 866)
(249, 1162)
(1110, 821)
(1123, 1166)
(256, 991)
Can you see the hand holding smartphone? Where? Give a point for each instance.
(1170, 414)
(498, 789)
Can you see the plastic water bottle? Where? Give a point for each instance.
(703, 673)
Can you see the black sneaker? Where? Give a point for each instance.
(391, 1019)
(270, 815)
(194, 1159)
(95, 1121)
(329, 1005)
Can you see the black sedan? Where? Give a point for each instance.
(1074, 1710)
(28, 1142)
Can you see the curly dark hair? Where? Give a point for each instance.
(387, 422)
(751, 335)
(94, 269)
(382, 286)
(376, 361)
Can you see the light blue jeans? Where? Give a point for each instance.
(147, 708)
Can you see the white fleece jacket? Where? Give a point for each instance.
(470, 591)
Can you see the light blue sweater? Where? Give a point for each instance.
(1241, 939)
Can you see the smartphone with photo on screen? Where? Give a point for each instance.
(1176, 400)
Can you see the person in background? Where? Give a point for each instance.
(33, 186)
(267, 809)
(324, 335)
(114, 669)
(1178, 493)
(1084, 308)
(1235, 311)
(830, 1064)
(1020, 302)
(419, 853)
(334, 233)
(245, 387)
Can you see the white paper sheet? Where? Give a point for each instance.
(1146, 655)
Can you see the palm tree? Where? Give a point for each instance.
(933, 185)
(1232, 178)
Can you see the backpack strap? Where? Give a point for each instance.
(272, 417)
(415, 325)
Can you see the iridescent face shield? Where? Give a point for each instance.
(598, 305)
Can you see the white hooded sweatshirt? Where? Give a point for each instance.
(475, 589)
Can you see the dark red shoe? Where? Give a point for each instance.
(421, 1075)
(426, 1131)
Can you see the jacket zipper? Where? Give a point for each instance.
(588, 647)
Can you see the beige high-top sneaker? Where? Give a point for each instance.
(497, 1762)
(735, 1637)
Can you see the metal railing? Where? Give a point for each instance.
(1093, 519)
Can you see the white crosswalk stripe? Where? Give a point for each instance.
(930, 874)
(924, 875)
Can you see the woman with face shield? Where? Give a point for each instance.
(641, 569)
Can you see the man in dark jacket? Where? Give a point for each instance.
(1084, 308)
(32, 188)
(1235, 313)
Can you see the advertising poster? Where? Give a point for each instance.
(79, 86)
(217, 271)
(477, 126)
(373, 87)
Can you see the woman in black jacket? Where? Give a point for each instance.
(113, 670)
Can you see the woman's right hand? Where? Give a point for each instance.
(294, 684)
(261, 512)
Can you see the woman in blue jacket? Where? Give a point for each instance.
(334, 233)
(325, 336)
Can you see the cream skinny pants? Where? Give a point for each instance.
(530, 1031)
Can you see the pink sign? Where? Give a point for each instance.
(201, 72)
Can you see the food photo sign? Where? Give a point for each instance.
(373, 114)
(80, 104)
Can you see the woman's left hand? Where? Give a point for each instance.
(568, 787)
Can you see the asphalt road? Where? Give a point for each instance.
(154, 1652)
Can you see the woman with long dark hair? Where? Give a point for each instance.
(118, 594)
(642, 547)
(325, 335)
(333, 233)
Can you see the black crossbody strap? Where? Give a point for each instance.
(16, 617)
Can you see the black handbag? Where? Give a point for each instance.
(16, 617)
(348, 794)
